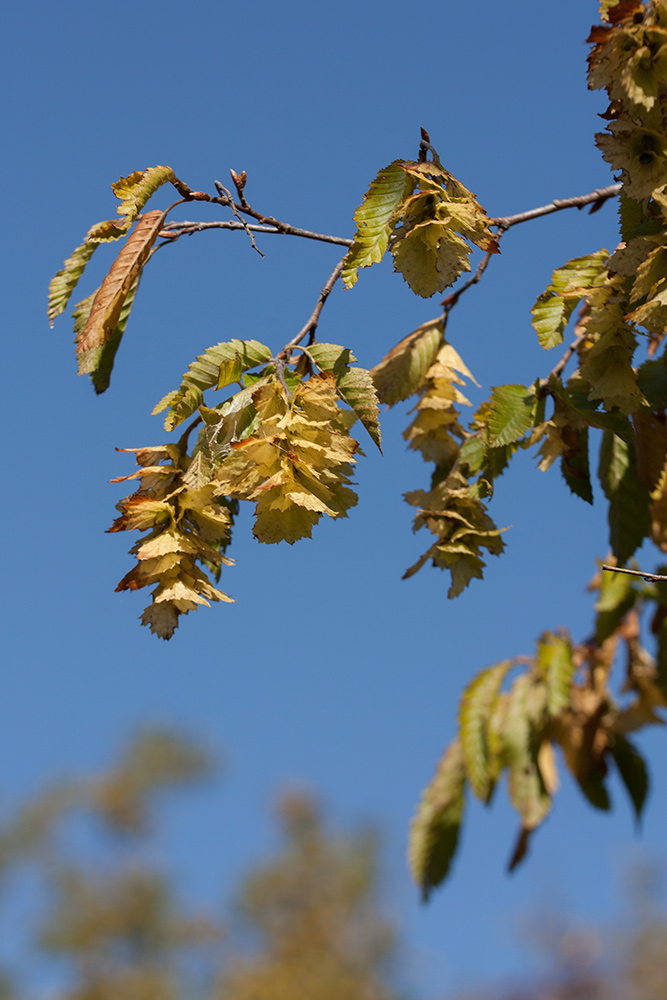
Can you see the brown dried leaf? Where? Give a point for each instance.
(108, 303)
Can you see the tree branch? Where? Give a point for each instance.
(311, 325)
(649, 577)
(596, 198)
(224, 193)
(173, 230)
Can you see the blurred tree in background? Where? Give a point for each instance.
(107, 924)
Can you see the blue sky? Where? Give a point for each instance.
(329, 671)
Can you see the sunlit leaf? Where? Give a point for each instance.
(618, 594)
(476, 706)
(512, 413)
(65, 281)
(134, 190)
(552, 311)
(374, 219)
(204, 373)
(556, 664)
(108, 303)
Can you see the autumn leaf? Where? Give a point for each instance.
(477, 704)
(401, 372)
(512, 413)
(219, 364)
(65, 281)
(554, 307)
(374, 219)
(134, 190)
(108, 303)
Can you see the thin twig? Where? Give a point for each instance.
(557, 370)
(649, 577)
(182, 442)
(175, 229)
(597, 197)
(223, 192)
(452, 299)
(311, 325)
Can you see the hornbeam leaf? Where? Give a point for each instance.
(552, 311)
(593, 786)
(374, 221)
(357, 389)
(134, 190)
(629, 515)
(65, 281)
(114, 290)
(332, 357)
(355, 385)
(434, 831)
(108, 231)
(652, 381)
(430, 256)
(477, 705)
(512, 412)
(618, 594)
(401, 372)
(574, 463)
(99, 361)
(556, 664)
(204, 373)
(607, 366)
(632, 769)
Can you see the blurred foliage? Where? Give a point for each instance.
(107, 924)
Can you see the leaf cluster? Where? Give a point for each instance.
(559, 704)
(427, 219)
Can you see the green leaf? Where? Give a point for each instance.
(556, 665)
(357, 389)
(521, 737)
(652, 381)
(617, 596)
(608, 365)
(134, 190)
(629, 514)
(65, 281)
(434, 831)
(553, 309)
(594, 788)
(574, 463)
(632, 769)
(332, 357)
(512, 412)
(204, 373)
(477, 705)
(401, 372)
(355, 385)
(527, 790)
(230, 372)
(374, 219)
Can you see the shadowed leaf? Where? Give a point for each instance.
(632, 769)
(401, 372)
(434, 832)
